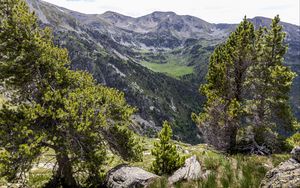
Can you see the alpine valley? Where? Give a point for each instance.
(158, 60)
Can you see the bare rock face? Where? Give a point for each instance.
(190, 171)
(123, 176)
(287, 174)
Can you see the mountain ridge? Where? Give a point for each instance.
(160, 67)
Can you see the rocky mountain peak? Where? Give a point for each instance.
(161, 14)
(115, 17)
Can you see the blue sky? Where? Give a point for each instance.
(214, 11)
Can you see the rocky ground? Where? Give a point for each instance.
(205, 167)
(286, 174)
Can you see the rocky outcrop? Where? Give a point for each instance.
(296, 153)
(190, 171)
(287, 174)
(124, 176)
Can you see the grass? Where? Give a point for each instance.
(2, 100)
(39, 177)
(228, 171)
(172, 69)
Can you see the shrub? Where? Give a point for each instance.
(294, 140)
(167, 158)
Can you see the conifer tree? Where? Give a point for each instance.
(224, 89)
(281, 76)
(53, 107)
(167, 158)
(269, 83)
(248, 85)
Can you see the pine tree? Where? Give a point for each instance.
(281, 77)
(248, 85)
(269, 83)
(53, 107)
(225, 90)
(167, 158)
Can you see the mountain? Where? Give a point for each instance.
(158, 60)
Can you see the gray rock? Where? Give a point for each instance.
(287, 174)
(296, 153)
(124, 176)
(190, 171)
(206, 174)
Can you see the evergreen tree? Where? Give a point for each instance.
(269, 83)
(53, 107)
(224, 89)
(167, 158)
(248, 85)
(281, 77)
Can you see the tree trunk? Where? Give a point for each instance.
(64, 172)
(223, 138)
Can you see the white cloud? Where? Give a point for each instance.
(214, 11)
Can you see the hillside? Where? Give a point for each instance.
(238, 171)
(158, 60)
(90, 100)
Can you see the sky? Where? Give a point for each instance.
(213, 11)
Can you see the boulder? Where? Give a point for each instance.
(190, 171)
(287, 174)
(296, 153)
(130, 177)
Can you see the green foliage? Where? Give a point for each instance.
(161, 182)
(233, 171)
(213, 161)
(167, 158)
(227, 178)
(173, 69)
(126, 143)
(269, 106)
(39, 178)
(54, 107)
(252, 172)
(223, 90)
(276, 159)
(247, 79)
(294, 140)
(211, 181)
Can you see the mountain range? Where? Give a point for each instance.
(158, 60)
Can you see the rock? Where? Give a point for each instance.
(206, 174)
(296, 153)
(129, 177)
(287, 174)
(190, 171)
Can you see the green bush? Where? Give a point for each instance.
(167, 158)
(294, 140)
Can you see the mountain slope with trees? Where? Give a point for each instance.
(60, 128)
(160, 41)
